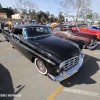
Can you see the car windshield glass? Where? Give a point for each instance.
(36, 31)
(75, 29)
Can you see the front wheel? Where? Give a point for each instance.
(40, 66)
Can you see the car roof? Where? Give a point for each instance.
(29, 26)
(65, 25)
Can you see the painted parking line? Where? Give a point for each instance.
(57, 90)
(55, 93)
(10, 57)
(82, 92)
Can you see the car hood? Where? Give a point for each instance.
(55, 46)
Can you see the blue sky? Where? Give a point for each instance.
(50, 5)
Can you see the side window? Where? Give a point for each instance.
(42, 29)
(17, 31)
(65, 29)
(57, 29)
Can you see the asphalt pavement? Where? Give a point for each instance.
(20, 80)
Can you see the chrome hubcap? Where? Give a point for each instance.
(40, 66)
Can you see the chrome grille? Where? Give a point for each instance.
(71, 62)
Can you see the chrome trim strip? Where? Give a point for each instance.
(69, 72)
(91, 47)
(36, 36)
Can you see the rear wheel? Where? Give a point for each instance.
(40, 66)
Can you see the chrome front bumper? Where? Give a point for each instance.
(92, 47)
(69, 72)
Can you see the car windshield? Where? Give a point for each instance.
(36, 31)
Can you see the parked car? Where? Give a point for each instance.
(72, 32)
(96, 27)
(53, 56)
(91, 30)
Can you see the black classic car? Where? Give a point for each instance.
(53, 56)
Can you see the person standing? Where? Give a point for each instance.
(2, 27)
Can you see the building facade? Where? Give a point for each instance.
(3, 15)
(23, 17)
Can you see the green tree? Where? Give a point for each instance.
(99, 22)
(8, 11)
(48, 14)
(40, 14)
(93, 16)
(0, 6)
(52, 18)
(33, 14)
(1, 10)
(60, 17)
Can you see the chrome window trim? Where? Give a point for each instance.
(36, 36)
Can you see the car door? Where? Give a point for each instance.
(17, 38)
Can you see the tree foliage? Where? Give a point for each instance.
(93, 16)
(73, 8)
(61, 17)
(0, 6)
(25, 6)
(8, 11)
(99, 22)
(84, 14)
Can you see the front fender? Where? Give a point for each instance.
(80, 43)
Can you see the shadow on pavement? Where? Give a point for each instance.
(2, 41)
(6, 84)
(83, 76)
(98, 47)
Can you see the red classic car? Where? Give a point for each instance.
(72, 32)
(91, 31)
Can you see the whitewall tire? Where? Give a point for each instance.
(40, 66)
